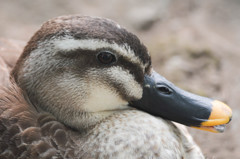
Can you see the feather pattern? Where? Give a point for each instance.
(27, 131)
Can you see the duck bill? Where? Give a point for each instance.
(163, 99)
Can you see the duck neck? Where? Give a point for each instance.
(88, 120)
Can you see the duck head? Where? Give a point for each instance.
(83, 69)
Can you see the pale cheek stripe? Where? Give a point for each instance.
(122, 76)
(68, 44)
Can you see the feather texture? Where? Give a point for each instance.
(27, 131)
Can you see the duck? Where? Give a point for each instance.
(84, 87)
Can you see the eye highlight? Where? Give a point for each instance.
(106, 57)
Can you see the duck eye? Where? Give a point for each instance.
(106, 57)
(164, 90)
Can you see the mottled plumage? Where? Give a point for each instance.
(62, 103)
(26, 133)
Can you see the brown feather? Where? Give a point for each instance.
(26, 133)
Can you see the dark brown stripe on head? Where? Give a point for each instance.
(83, 27)
(88, 59)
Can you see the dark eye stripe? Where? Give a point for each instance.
(134, 69)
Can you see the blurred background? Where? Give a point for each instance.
(194, 44)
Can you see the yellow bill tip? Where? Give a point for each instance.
(221, 114)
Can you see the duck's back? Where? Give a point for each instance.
(26, 133)
(9, 52)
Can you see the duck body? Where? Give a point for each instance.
(84, 87)
(26, 133)
(142, 136)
